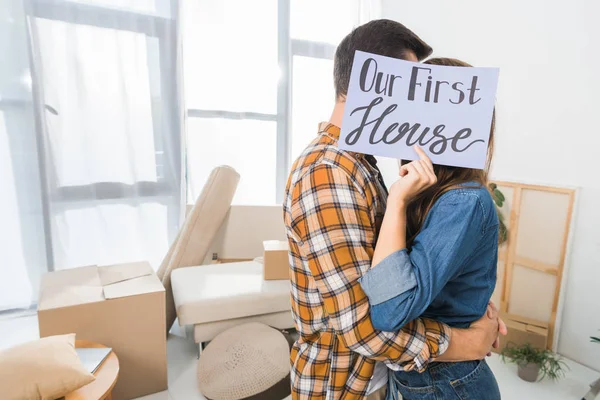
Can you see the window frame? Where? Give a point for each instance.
(151, 26)
(169, 183)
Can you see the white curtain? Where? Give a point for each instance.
(94, 164)
(90, 137)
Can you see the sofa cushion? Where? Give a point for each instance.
(220, 292)
(44, 369)
(199, 230)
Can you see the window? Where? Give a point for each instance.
(258, 80)
(312, 98)
(234, 142)
(316, 21)
(92, 107)
(105, 69)
(90, 116)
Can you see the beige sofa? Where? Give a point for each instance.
(212, 297)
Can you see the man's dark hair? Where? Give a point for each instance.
(382, 36)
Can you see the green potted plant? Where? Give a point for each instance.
(499, 199)
(534, 364)
(595, 339)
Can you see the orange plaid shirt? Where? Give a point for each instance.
(333, 208)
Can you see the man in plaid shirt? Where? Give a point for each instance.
(333, 207)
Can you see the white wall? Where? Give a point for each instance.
(548, 112)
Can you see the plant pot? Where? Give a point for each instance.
(529, 372)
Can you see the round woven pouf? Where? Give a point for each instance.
(250, 361)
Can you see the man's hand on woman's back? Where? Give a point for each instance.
(477, 341)
(502, 329)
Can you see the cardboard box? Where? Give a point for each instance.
(522, 330)
(276, 260)
(120, 306)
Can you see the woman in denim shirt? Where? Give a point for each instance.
(436, 257)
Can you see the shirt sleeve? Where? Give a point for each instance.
(431, 264)
(331, 219)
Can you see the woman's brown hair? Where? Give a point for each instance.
(447, 177)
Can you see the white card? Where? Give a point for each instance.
(394, 104)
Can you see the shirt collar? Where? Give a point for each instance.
(329, 129)
(333, 131)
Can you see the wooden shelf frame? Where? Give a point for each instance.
(510, 258)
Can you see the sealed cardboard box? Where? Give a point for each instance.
(276, 260)
(522, 330)
(120, 306)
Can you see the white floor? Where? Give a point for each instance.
(182, 369)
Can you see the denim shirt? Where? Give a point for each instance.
(449, 274)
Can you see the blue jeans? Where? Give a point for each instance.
(470, 380)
